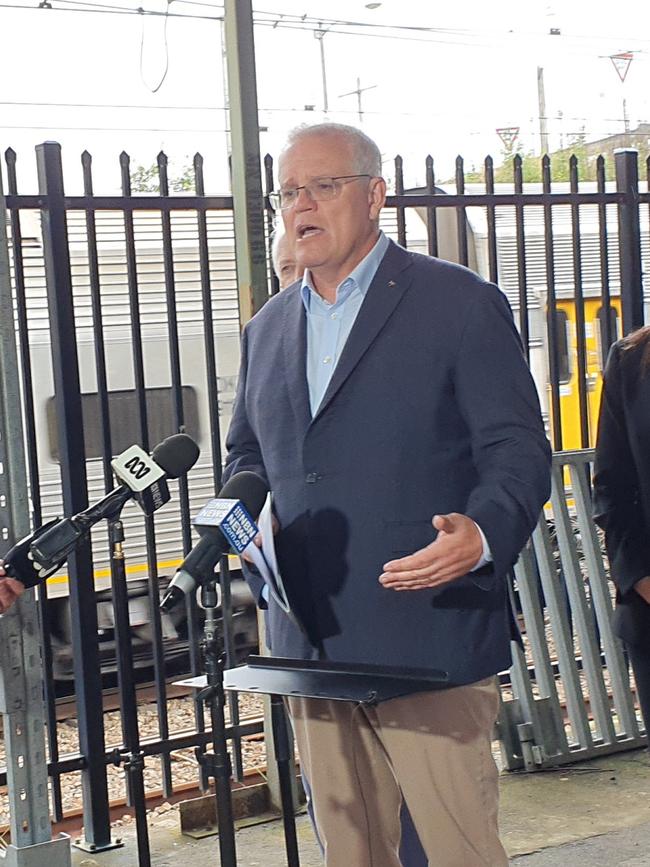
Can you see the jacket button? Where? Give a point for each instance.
(311, 478)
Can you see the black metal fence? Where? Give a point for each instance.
(138, 339)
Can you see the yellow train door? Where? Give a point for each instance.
(596, 355)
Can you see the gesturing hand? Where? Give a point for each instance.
(455, 551)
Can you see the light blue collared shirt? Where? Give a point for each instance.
(329, 325)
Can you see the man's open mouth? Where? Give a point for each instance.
(306, 231)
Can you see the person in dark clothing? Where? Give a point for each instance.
(622, 497)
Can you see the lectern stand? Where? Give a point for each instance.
(361, 684)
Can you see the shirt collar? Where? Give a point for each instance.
(360, 278)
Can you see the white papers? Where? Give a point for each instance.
(264, 558)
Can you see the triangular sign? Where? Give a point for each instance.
(622, 63)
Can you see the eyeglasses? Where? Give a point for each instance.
(318, 190)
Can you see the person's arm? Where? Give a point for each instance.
(10, 590)
(617, 509)
(497, 398)
(244, 453)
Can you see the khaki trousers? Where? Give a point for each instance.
(432, 748)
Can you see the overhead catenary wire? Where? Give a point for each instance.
(405, 32)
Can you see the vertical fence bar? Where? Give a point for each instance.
(607, 333)
(461, 216)
(581, 346)
(583, 617)
(271, 224)
(600, 599)
(400, 211)
(551, 308)
(215, 435)
(75, 495)
(491, 221)
(143, 427)
(98, 324)
(213, 409)
(554, 589)
(432, 217)
(522, 276)
(629, 238)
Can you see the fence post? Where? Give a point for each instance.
(629, 238)
(67, 395)
(21, 669)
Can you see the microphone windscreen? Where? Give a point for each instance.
(176, 455)
(248, 487)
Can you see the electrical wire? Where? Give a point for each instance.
(166, 48)
(411, 33)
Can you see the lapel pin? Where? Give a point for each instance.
(391, 283)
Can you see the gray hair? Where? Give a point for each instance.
(367, 156)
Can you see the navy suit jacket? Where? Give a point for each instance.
(430, 409)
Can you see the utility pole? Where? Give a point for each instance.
(541, 101)
(319, 34)
(359, 90)
(248, 199)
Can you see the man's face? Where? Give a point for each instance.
(287, 269)
(332, 237)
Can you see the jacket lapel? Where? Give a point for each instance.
(294, 342)
(384, 294)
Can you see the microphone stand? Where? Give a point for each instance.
(217, 763)
(131, 755)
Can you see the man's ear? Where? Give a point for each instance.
(376, 197)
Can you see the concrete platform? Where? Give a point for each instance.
(595, 814)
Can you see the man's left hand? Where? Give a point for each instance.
(455, 551)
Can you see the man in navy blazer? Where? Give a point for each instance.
(386, 400)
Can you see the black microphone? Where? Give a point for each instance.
(221, 523)
(41, 553)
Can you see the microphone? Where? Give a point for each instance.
(40, 554)
(222, 523)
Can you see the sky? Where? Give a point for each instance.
(436, 78)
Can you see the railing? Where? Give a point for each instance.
(571, 696)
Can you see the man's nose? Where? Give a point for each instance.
(304, 200)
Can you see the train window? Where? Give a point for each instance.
(123, 412)
(564, 361)
(601, 336)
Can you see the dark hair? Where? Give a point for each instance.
(639, 339)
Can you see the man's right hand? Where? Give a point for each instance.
(10, 590)
(258, 539)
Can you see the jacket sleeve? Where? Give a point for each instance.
(617, 508)
(243, 453)
(498, 400)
